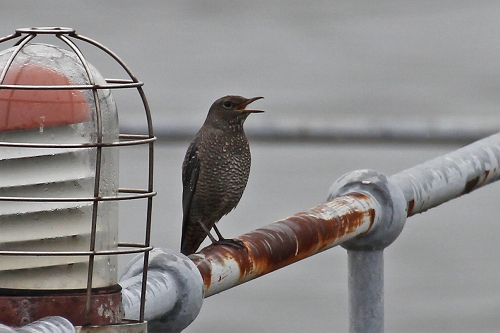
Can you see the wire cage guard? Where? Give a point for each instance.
(98, 144)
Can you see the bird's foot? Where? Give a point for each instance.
(237, 244)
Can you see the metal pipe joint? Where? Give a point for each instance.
(174, 290)
(390, 213)
(365, 252)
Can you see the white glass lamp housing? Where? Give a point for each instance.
(55, 169)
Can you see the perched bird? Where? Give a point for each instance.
(215, 172)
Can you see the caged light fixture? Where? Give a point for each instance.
(59, 187)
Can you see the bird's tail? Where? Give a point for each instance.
(192, 237)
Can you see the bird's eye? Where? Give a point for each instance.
(227, 104)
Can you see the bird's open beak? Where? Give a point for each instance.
(242, 106)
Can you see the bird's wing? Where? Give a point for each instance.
(190, 172)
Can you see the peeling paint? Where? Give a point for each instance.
(19, 310)
(307, 233)
(285, 242)
(447, 177)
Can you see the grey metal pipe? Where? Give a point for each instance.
(366, 291)
(449, 176)
(416, 189)
(6, 329)
(174, 291)
(365, 253)
(52, 324)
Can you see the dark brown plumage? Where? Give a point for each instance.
(215, 171)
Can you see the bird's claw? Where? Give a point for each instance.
(235, 243)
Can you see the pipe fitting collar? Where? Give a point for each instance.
(390, 214)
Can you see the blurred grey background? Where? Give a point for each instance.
(346, 65)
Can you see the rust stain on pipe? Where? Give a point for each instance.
(476, 182)
(411, 204)
(18, 310)
(486, 174)
(287, 241)
(470, 185)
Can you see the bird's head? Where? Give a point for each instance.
(230, 111)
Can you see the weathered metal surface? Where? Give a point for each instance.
(285, 242)
(52, 324)
(449, 176)
(174, 290)
(20, 310)
(124, 327)
(391, 211)
(366, 291)
(365, 253)
(56, 324)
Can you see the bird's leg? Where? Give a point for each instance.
(228, 241)
(218, 232)
(204, 227)
(222, 241)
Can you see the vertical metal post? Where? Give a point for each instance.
(366, 291)
(365, 254)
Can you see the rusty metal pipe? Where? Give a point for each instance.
(365, 213)
(285, 242)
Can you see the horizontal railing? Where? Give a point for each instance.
(363, 202)
(364, 213)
